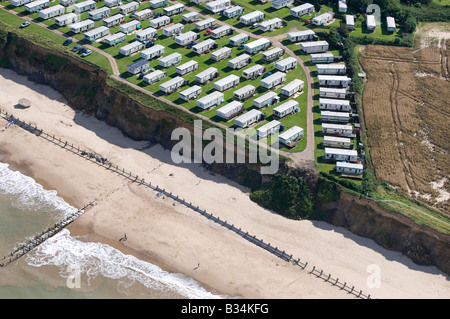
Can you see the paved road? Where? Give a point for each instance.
(300, 159)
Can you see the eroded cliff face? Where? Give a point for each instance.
(86, 89)
(390, 230)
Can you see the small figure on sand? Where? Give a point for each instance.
(197, 266)
(124, 238)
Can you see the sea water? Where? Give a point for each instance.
(64, 266)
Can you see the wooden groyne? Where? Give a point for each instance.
(105, 163)
(35, 241)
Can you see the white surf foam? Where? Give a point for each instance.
(97, 259)
(26, 194)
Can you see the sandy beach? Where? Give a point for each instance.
(179, 239)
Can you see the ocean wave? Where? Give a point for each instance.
(94, 259)
(26, 194)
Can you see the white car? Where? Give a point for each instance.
(25, 24)
(85, 54)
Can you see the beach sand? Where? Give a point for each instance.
(179, 239)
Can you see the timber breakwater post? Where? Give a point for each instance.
(103, 162)
(32, 243)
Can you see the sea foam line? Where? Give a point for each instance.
(95, 259)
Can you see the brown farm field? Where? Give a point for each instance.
(407, 115)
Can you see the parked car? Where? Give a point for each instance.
(309, 21)
(207, 32)
(25, 24)
(266, 75)
(82, 50)
(158, 14)
(255, 25)
(190, 45)
(141, 76)
(76, 48)
(149, 44)
(240, 47)
(85, 54)
(67, 42)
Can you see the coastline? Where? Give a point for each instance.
(176, 238)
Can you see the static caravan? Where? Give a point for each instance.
(130, 26)
(253, 72)
(218, 5)
(323, 18)
(174, 10)
(115, 39)
(233, 12)
(96, 34)
(230, 110)
(370, 22)
(273, 127)
(222, 31)
(200, 1)
(172, 85)
(221, 54)
(67, 3)
(278, 4)
(204, 47)
(252, 17)
(190, 17)
(187, 67)
(160, 22)
(350, 22)
(334, 68)
(112, 3)
(337, 129)
(257, 46)
(249, 118)
(390, 24)
(37, 6)
(99, 13)
(84, 6)
(155, 4)
(332, 93)
(227, 83)
(314, 46)
(146, 34)
(139, 66)
(339, 154)
(213, 99)
(268, 99)
(191, 94)
(170, 60)
(155, 76)
(292, 88)
(342, 6)
(129, 8)
(66, 19)
(297, 36)
(82, 26)
(153, 53)
(287, 108)
(240, 61)
(290, 136)
(273, 80)
(272, 55)
(349, 168)
(322, 57)
(205, 76)
(334, 80)
(19, 3)
(238, 39)
(144, 14)
(270, 25)
(302, 10)
(174, 29)
(186, 38)
(337, 142)
(334, 104)
(51, 12)
(131, 48)
(114, 20)
(244, 93)
(334, 117)
(205, 24)
(286, 65)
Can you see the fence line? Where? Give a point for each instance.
(101, 161)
